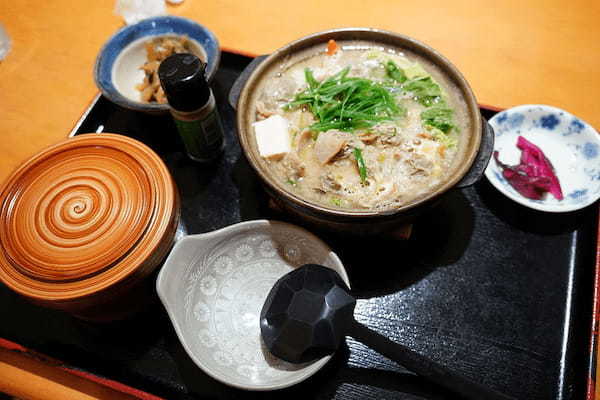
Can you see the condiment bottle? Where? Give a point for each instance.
(192, 105)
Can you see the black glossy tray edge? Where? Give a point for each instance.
(593, 360)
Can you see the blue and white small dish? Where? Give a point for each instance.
(571, 145)
(117, 69)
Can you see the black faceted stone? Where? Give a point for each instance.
(306, 314)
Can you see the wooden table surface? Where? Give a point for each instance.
(511, 51)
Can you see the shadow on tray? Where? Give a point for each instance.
(378, 266)
(527, 219)
(330, 382)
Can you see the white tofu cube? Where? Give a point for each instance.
(272, 137)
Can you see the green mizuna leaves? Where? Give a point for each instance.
(394, 72)
(439, 117)
(345, 103)
(427, 93)
(425, 90)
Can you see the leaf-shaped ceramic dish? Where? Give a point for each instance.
(213, 286)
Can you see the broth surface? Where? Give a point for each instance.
(387, 164)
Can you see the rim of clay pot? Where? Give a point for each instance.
(317, 43)
(85, 214)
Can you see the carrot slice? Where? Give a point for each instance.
(442, 150)
(332, 47)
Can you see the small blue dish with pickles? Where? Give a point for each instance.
(569, 144)
(118, 70)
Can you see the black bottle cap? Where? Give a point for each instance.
(182, 78)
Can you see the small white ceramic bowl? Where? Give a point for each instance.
(571, 145)
(117, 69)
(213, 287)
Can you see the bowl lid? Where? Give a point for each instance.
(82, 214)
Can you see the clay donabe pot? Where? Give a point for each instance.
(84, 222)
(466, 171)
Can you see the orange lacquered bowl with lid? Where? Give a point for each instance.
(84, 222)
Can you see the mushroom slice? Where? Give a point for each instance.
(329, 183)
(328, 144)
(294, 167)
(302, 140)
(368, 137)
(386, 191)
(264, 111)
(419, 165)
(390, 141)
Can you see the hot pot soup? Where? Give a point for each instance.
(360, 127)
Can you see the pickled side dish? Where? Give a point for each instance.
(157, 50)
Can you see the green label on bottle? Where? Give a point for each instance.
(203, 139)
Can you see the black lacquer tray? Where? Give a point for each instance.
(497, 291)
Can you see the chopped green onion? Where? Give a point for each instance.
(291, 182)
(336, 201)
(345, 103)
(362, 167)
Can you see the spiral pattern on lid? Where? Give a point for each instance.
(83, 213)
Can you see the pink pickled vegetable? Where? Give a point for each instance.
(533, 156)
(534, 176)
